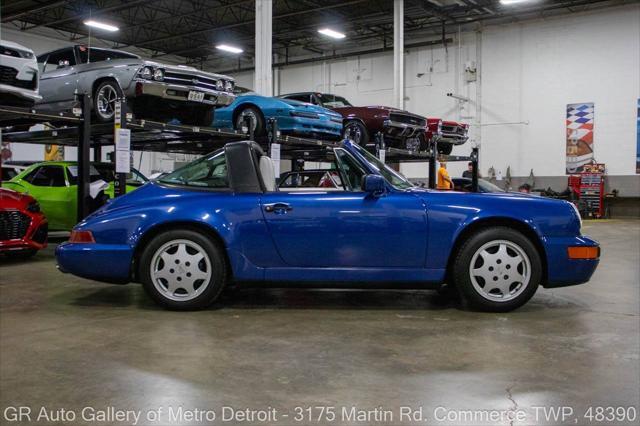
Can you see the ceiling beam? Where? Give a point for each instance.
(16, 15)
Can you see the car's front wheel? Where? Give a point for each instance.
(104, 100)
(357, 132)
(183, 270)
(497, 269)
(255, 119)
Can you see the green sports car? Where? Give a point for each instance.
(55, 185)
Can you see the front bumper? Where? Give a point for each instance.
(34, 239)
(452, 138)
(30, 96)
(177, 92)
(101, 262)
(563, 271)
(398, 130)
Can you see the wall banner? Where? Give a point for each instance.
(579, 136)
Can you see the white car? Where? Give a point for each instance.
(18, 75)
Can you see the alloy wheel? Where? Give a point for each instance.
(354, 133)
(240, 121)
(106, 101)
(180, 270)
(500, 270)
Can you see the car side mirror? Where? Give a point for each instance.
(374, 185)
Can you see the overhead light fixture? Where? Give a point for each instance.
(228, 48)
(512, 1)
(101, 25)
(331, 33)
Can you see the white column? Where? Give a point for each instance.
(398, 53)
(264, 73)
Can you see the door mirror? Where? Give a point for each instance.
(374, 185)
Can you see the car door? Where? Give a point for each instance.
(344, 229)
(58, 78)
(48, 185)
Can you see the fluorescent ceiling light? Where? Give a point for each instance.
(101, 25)
(331, 33)
(512, 1)
(228, 48)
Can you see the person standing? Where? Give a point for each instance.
(469, 172)
(444, 180)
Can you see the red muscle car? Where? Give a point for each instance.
(448, 134)
(401, 129)
(23, 227)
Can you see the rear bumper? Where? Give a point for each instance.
(101, 262)
(563, 271)
(177, 92)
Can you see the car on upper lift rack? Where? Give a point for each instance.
(293, 117)
(153, 90)
(18, 75)
(401, 129)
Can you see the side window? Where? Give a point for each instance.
(42, 60)
(301, 98)
(61, 59)
(351, 170)
(47, 176)
(207, 172)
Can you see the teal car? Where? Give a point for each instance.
(54, 184)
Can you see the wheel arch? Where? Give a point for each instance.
(102, 79)
(519, 225)
(244, 106)
(156, 230)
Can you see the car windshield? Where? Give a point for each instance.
(393, 177)
(333, 101)
(488, 186)
(209, 171)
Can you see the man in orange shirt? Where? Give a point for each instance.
(444, 181)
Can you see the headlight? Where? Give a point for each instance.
(439, 126)
(228, 86)
(158, 75)
(146, 73)
(33, 207)
(220, 85)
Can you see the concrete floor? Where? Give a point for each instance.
(67, 343)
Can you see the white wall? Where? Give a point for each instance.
(529, 72)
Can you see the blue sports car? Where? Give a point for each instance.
(222, 219)
(294, 117)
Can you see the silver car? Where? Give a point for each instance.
(152, 90)
(18, 75)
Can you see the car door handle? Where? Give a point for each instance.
(277, 208)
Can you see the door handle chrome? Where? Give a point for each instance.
(277, 208)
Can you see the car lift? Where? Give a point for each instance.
(147, 135)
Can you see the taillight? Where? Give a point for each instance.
(81, 237)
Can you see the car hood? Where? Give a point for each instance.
(185, 68)
(13, 45)
(13, 200)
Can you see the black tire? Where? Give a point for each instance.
(445, 148)
(462, 276)
(356, 131)
(112, 88)
(256, 118)
(213, 287)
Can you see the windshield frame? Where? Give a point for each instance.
(331, 99)
(183, 184)
(385, 171)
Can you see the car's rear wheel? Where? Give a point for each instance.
(497, 269)
(255, 118)
(183, 270)
(357, 132)
(104, 100)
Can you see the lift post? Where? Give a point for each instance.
(120, 120)
(433, 177)
(474, 169)
(84, 158)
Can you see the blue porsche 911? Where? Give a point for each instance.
(293, 117)
(222, 219)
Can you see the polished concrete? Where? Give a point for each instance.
(67, 343)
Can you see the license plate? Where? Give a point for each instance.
(195, 96)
